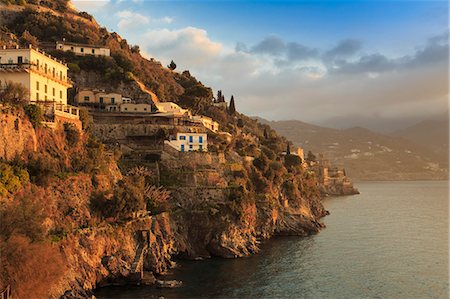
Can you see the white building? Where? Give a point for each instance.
(83, 49)
(135, 108)
(172, 108)
(189, 142)
(207, 122)
(44, 76)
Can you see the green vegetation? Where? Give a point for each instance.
(12, 177)
(35, 114)
(14, 94)
(72, 134)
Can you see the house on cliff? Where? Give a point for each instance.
(45, 79)
(83, 49)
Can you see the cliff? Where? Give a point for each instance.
(77, 212)
(79, 233)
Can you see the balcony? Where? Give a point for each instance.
(32, 67)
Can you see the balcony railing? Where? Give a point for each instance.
(14, 67)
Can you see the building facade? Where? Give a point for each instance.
(135, 108)
(83, 49)
(207, 122)
(170, 107)
(189, 142)
(88, 97)
(44, 76)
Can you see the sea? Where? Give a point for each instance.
(390, 241)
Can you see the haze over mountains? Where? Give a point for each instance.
(415, 153)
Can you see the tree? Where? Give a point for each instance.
(35, 114)
(240, 123)
(172, 66)
(135, 49)
(28, 39)
(14, 93)
(232, 108)
(311, 157)
(220, 97)
(266, 135)
(288, 149)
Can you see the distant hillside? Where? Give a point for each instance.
(432, 134)
(366, 155)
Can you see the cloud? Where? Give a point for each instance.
(272, 45)
(90, 5)
(164, 20)
(342, 86)
(129, 20)
(345, 48)
(188, 46)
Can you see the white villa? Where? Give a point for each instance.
(98, 97)
(135, 108)
(189, 142)
(207, 122)
(83, 49)
(43, 76)
(172, 108)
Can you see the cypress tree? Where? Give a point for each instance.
(232, 108)
(266, 135)
(288, 149)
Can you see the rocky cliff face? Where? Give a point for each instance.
(17, 136)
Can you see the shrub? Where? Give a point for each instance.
(292, 161)
(12, 178)
(14, 94)
(72, 134)
(35, 114)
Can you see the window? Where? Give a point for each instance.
(37, 96)
(113, 100)
(46, 98)
(135, 109)
(37, 85)
(145, 109)
(53, 92)
(200, 147)
(37, 62)
(45, 68)
(45, 88)
(93, 51)
(20, 60)
(86, 98)
(126, 109)
(200, 139)
(191, 147)
(101, 100)
(191, 138)
(71, 48)
(182, 137)
(182, 147)
(60, 94)
(82, 50)
(60, 75)
(54, 72)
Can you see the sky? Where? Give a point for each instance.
(339, 63)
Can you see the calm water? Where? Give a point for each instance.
(389, 242)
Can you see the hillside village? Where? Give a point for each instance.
(46, 80)
(112, 165)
